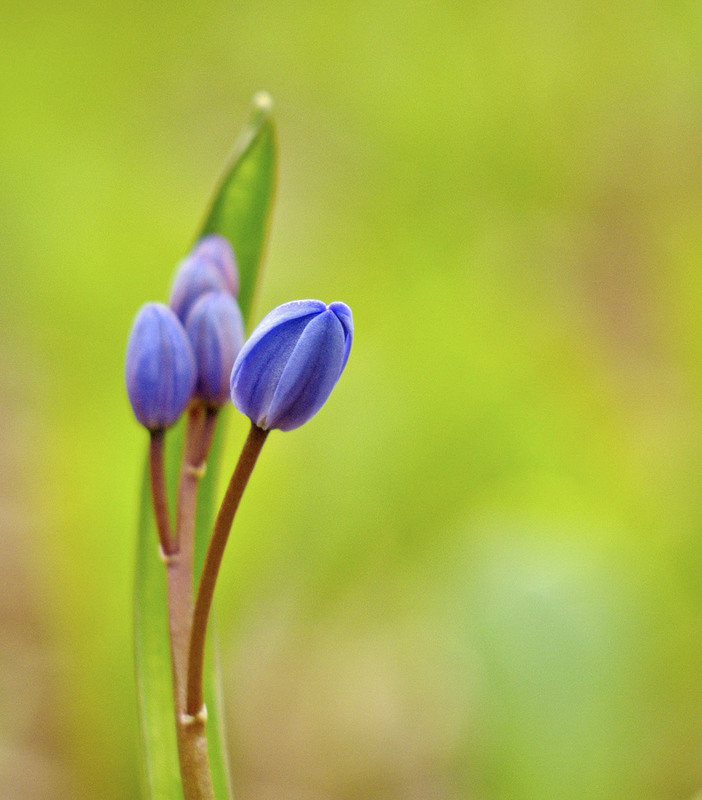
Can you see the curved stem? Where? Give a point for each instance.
(213, 559)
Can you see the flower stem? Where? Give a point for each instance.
(190, 729)
(213, 559)
(191, 469)
(207, 433)
(159, 494)
(180, 566)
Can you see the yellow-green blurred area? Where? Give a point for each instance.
(477, 573)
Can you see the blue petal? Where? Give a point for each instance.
(216, 332)
(160, 367)
(260, 364)
(284, 313)
(343, 312)
(194, 277)
(311, 371)
(218, 251)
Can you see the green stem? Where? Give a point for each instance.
(213, 559)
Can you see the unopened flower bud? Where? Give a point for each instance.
(194, 277)
(216, 333)
(286, 370)
(217, 250)
(160, 367)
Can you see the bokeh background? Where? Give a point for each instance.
(478, 572)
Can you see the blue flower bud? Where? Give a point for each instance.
(217, 250)
(216, 333)
(160, 367)
(286, 370)
(195, 276)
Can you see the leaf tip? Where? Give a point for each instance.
(262, 103)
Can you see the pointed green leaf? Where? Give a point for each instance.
(241, 208)
(241, 212)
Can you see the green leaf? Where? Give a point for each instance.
(241, 207)
(241, 212)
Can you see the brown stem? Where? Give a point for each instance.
(213, 559)
(190, 472)
(198, 438)
(194, 761)
(207, 433)
(190, 729)
(159, 494)
(180, 568)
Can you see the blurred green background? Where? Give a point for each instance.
(478, 572)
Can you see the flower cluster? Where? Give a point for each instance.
(193, 349)
(186, 350)
(192, 354)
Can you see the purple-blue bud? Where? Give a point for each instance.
(287, 368)
(216, 333)
(217, 250)
(194, 277)
(160, 367)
